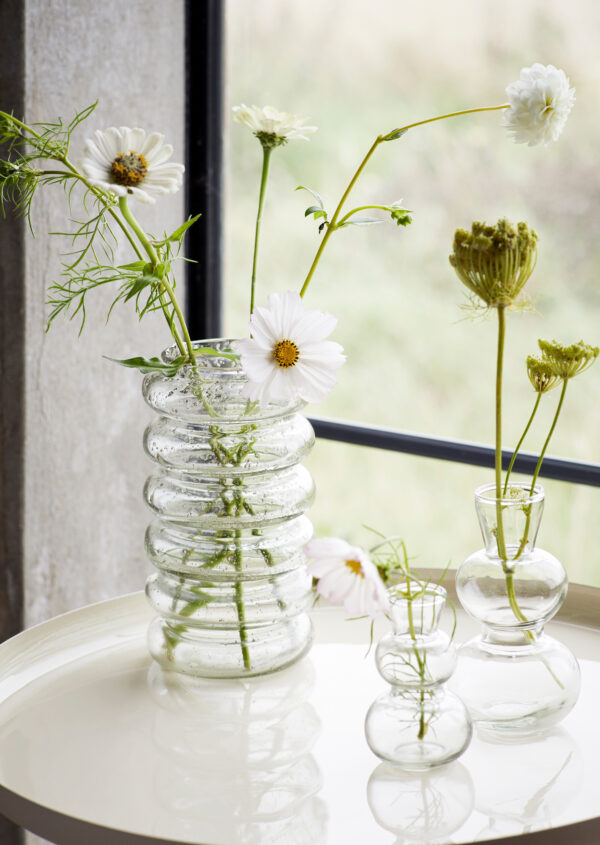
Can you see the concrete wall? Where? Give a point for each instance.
(80, 464)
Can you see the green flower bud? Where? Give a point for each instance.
(495, 262)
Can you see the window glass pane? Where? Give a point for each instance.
(429, 503)
(416, 360)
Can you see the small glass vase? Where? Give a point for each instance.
(231, 588)
(418, 723)
(513, 678)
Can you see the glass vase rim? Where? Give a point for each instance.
(172, 352)
(538, 494)
(431, 591)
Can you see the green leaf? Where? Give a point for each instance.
(178, 234)
(395, 134)
(318, 212)
(208, 350)
(151, 365)
(315, 195)
(135, 265)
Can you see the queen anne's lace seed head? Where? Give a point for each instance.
(542, 374)
(540, 102)
(568, 361)
(495, 262)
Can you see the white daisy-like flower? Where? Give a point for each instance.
(287, 356)
(270, 126)
(347, 576)
(126, 161)
(540, 102)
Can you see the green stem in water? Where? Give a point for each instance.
(520, 443)
(239, 601)
(498, 456)
(550, 433)
(152, 254)
(333, 223)
(261, 199)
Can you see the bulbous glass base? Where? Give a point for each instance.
(219, 653)
(418, 730)
(519, 686)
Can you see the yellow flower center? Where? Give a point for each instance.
(129, 169)
(285, 353)
(355, 567)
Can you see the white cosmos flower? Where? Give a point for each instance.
(126, 161)
(347, 576)
(287, 356)
(540, 102)
(267, 121)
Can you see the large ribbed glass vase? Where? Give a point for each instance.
(228, 493)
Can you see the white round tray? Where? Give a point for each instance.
(97, 746)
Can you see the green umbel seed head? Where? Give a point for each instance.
(495, 262)
(542, 374)
(568, 361)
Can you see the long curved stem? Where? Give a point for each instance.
(332, 225)
(550, 433)
(261, 198)
(126, 212)
(520, 443)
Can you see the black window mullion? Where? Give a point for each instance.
(204, 157)
(560, 469)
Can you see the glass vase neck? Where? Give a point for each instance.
(416, 610)
(509, 524)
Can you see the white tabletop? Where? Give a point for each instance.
(94, 736)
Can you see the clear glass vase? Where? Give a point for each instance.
(231, 588)
(418, 723)
(513, 678)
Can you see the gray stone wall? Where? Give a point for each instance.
(78, 461)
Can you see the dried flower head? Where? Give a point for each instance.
(495, 262)
(542, 374)
(568, 361)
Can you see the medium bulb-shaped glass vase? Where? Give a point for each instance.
(231, 588)
(513, 678)
(418, 723)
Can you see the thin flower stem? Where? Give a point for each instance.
(261, 198)
(126, 212)
(519, 444)
(333, 223)
(444, 116)
(550, 433)
(498, 456)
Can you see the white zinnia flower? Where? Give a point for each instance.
(540, 102)
(287, 355)
(347, 576)
(271, 126)
(125, 161)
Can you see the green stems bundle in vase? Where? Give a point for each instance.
(514, 678)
